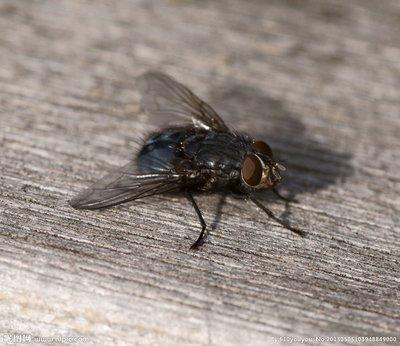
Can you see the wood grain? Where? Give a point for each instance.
(319, 80)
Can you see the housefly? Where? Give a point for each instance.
(201, 155)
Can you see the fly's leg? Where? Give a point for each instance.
(283, 198)
(200, 239)
(272, 216)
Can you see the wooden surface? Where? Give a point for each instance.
(319, 80)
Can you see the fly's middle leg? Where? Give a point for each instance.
(200, 239)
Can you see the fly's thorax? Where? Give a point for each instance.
(215, 151)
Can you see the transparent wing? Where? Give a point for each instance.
(165, 98)
(124, 186)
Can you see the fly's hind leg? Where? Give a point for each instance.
(200, 239)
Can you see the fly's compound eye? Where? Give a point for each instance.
(252, 170)
(262, 148)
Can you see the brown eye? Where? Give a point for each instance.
(262, 148)
(252, 170)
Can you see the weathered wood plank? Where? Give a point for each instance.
(320, 80)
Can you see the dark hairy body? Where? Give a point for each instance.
(209, 160)
(203, 156)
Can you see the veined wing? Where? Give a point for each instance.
(123, 186)
(163, 96)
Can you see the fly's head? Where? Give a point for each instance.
(259, 169)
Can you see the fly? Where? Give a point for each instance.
(204, 155)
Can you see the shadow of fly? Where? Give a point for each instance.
(203, 154)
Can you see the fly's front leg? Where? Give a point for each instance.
(283, 198)
(200, 240)
(272, 216)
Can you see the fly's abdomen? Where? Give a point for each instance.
(161, 151)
